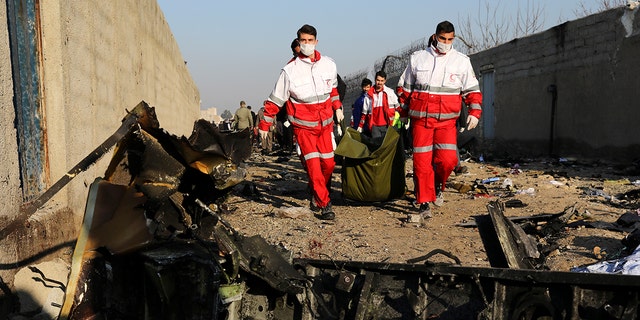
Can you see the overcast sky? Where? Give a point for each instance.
(235, 49)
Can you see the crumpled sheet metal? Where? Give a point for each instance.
(135, 206)
(160, 163)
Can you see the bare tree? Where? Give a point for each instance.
(493, 26)
(529, 19)
(583, 10)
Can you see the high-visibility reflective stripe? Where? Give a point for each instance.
(302, 122)
(326, 155)
(312, 99)
(417, 114)
(269, 119)
(445, 146)
(441, 116)
(422, 149)
(335, 98)
(310, 124)
(276, 100)
(472, 89)
(438, 90)
(475, 106)
(312, 155)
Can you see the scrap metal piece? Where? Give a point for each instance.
(158, 194)
(534, 218)
(142, 114)
(345, 281)
(518, 248)
(260, 259)
(430, 291)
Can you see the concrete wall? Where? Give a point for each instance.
(9, 174)
(10, 192)
(101, 58)
(593, 64)
(98, 58)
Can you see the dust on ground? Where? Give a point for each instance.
(274, 203)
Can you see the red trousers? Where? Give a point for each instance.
(317, 151)
(434, 155)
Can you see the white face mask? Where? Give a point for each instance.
(307, 49)
(443, 48)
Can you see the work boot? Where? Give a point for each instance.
(425, 211)
(460, 170)
(326, 213)
(313, 206)
(439, 199)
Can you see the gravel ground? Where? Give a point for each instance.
(277, 209)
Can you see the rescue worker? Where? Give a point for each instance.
(431, 89)
(379, 108)
(266, 141)
(310, 83)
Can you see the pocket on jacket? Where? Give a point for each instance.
(423, 76)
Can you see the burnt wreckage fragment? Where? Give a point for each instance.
(153, 246)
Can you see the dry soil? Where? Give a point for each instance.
(274, 203)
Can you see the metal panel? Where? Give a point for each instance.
(24, 42)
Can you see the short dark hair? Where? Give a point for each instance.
(442, 27)
(366, 82)
(294, 44)
(445, 27)
(307, 29)
(381, 74)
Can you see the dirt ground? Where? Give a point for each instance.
(277, 209)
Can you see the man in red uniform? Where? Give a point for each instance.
(431, 90)
(379, 107)
(309, 82)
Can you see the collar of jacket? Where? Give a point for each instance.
(316, 57)
(373, 91)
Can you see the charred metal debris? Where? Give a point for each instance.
(154, 246)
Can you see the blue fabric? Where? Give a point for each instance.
(356, 110)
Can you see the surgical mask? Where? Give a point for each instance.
(442, 47)
(307, 49)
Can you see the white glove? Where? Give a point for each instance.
(263, 134)
(340, 131)
(339, 115)
(359, 129)
(472, 122)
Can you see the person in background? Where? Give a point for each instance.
(432, 88)
(254, 131)
(356, 108)
(284, 132)
(379, 107)
(295, 49)
(311, 112)
(266, 141)
(242, 118)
